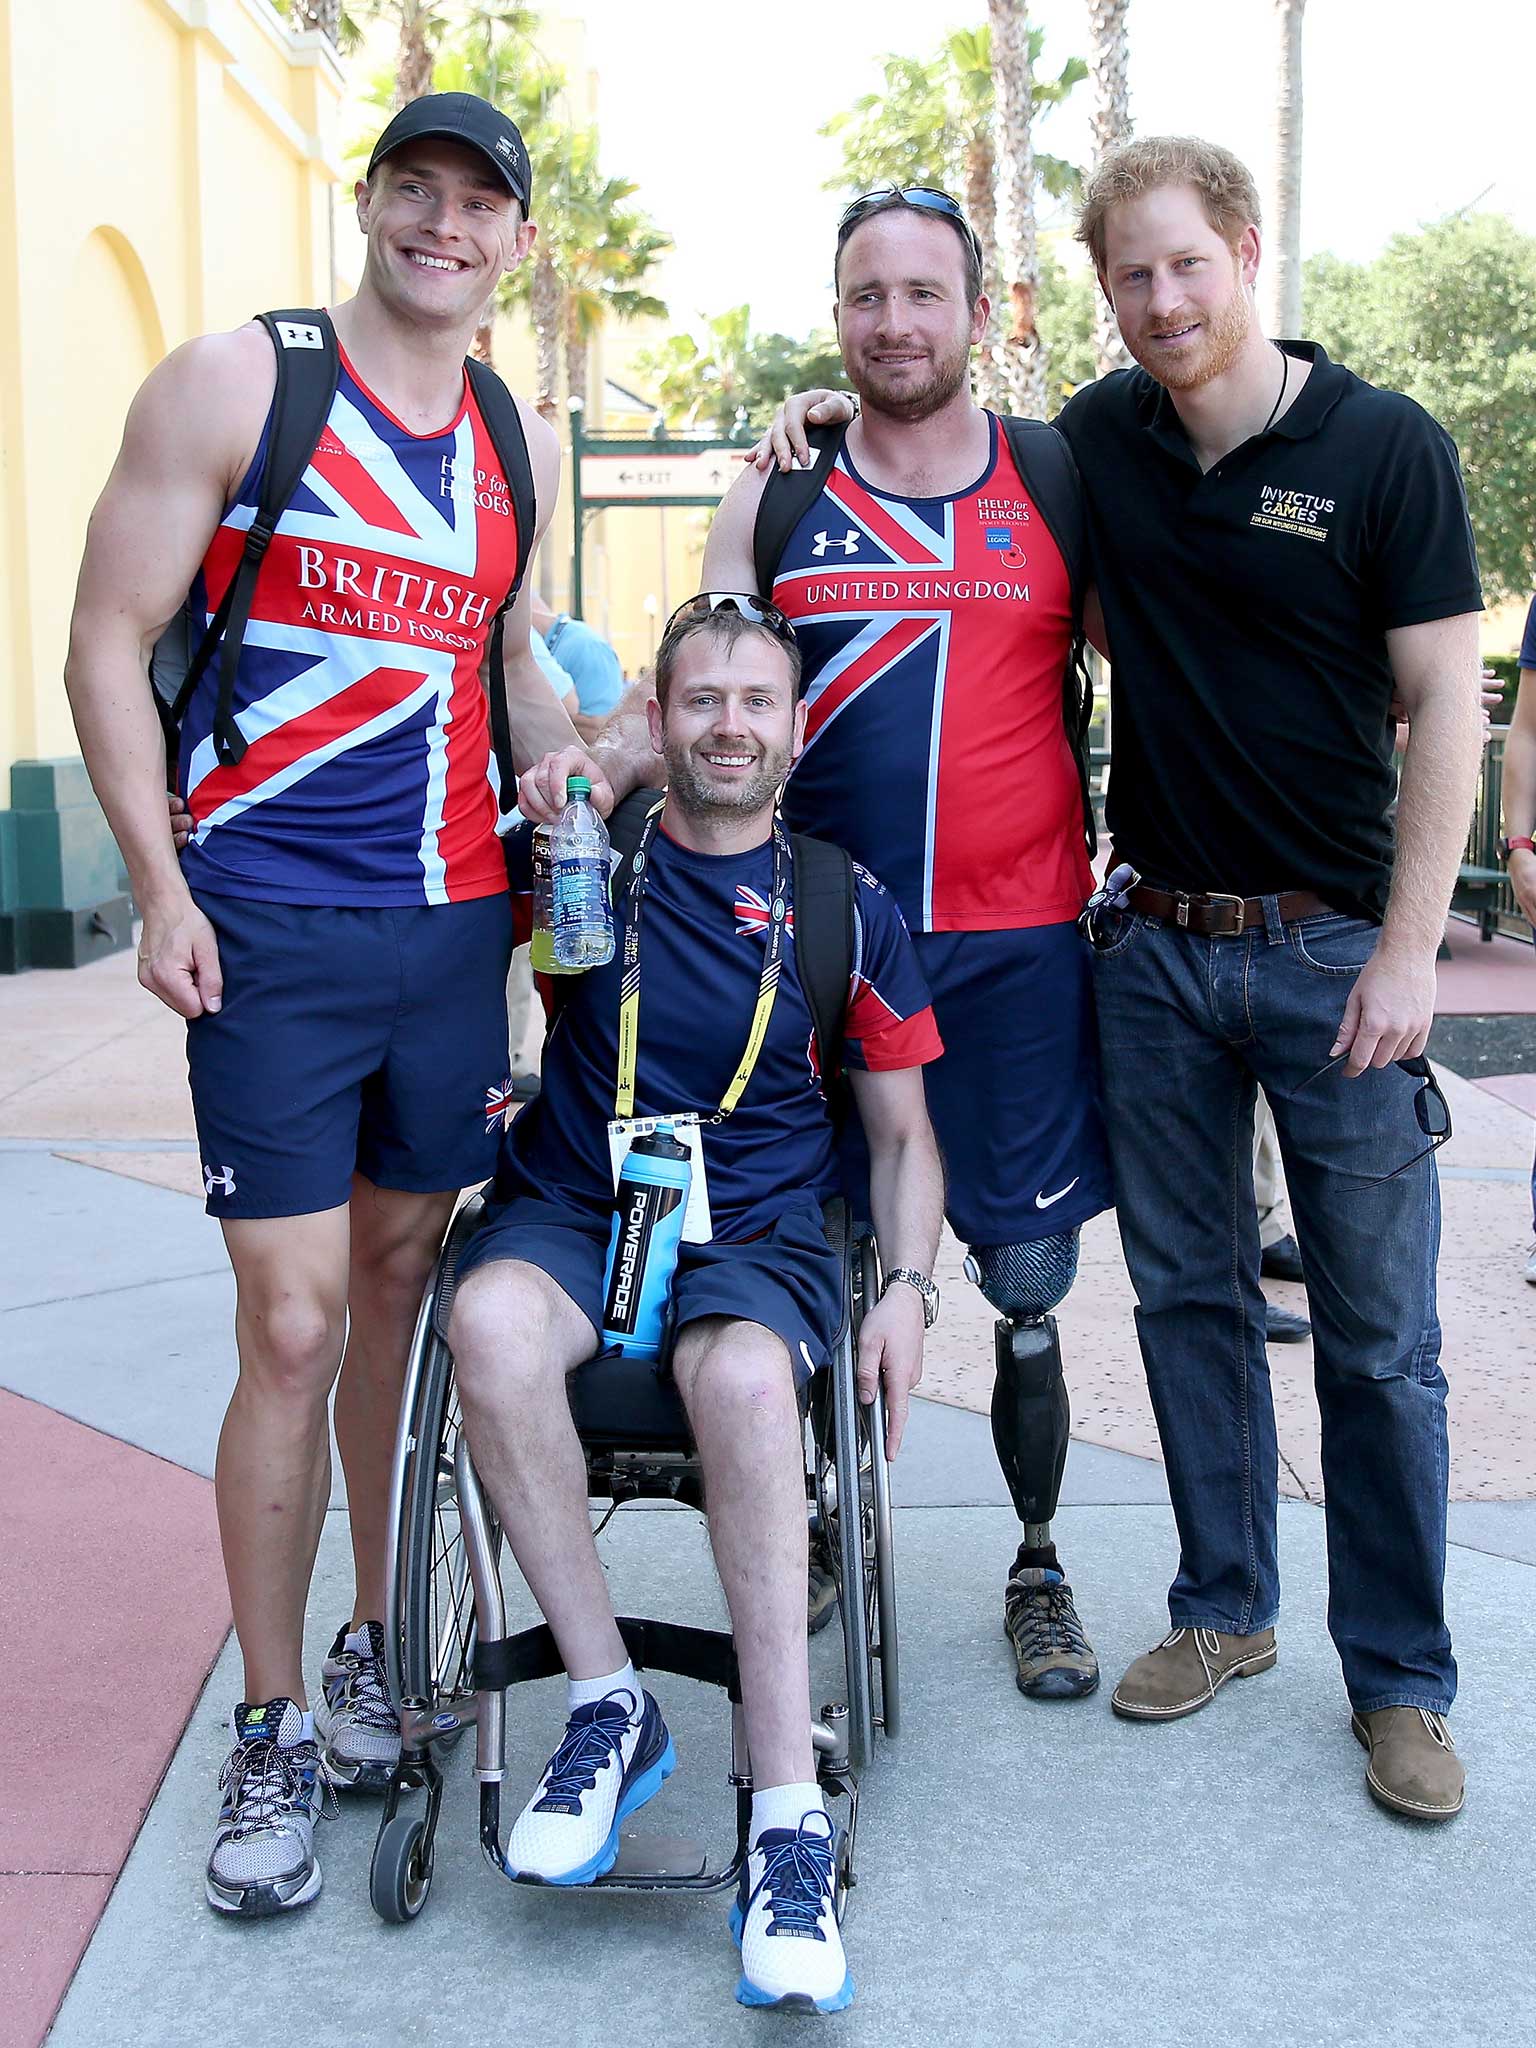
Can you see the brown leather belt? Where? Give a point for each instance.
(1216, 916)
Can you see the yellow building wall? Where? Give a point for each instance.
(166, 167)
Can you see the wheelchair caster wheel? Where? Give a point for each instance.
(401, 1874)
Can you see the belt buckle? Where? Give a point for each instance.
(1238, 903)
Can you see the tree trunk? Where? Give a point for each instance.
(576, 362)
(413, 66)
(1282, 295)
(1109, 81)
(545, 307)
(981, 211)
(1013, 81)
(324, 15)
(483, 347)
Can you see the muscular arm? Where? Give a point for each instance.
(539, 722)
(189, 435)
(1390, 1009)
(906, 1197)
(1520, 790)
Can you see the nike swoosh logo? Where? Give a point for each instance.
(1045, 1201)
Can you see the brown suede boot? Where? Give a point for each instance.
(1412, 1762)
(1186, 1670)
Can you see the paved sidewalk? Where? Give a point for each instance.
(1027, 1870)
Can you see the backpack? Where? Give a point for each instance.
(823, 884)
(308, 364)
(1049, 474)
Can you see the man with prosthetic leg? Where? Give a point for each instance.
(932, 560)
(1031, 1427)
(709, 960)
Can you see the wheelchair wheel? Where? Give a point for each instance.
(853, 1500)
(401, 1873)
(435, 1601)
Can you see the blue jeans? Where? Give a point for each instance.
(1187, 1027)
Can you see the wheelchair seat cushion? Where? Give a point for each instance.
(789, 1279)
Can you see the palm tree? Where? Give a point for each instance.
(1108, 67)
(607, 251)
(1012, 74)
(1282, 310)
(704, 380)
(325, 15)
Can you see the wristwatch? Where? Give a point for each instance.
(1517, 842)
(927, 1288)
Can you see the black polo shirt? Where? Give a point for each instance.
(1247, 610)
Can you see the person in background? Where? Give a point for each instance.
(1520, 817)
(591, 664)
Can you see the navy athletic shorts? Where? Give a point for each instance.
(369, 1041)
(790, 1280)
(1015, 1097)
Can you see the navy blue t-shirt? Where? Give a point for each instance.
(703, 930)
(1528, 644)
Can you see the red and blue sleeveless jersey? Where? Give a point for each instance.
(936, 634)
(365, 778)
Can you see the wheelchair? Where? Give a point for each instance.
(449, 1657)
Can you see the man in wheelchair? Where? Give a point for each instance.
(706, 933)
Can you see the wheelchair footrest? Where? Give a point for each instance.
(660, 1858)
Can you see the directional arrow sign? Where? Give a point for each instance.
(707, 473)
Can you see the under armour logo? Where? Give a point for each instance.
(298, 334)
(220, 1183)
(849, 543)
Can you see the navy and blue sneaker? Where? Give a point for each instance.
(785, 1919)
(615, 1755)
(263, 1857)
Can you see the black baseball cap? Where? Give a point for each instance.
(462, 117)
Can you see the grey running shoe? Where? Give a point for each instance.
(263, 1858)
(1039, 1619)
(356, 1719)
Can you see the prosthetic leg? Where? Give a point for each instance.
(1031, 1421)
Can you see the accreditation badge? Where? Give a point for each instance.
(622, 1133)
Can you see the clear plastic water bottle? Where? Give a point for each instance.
(541, 947)
(583, 910)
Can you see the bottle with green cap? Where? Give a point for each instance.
(580, 868)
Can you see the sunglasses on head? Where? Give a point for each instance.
(928, 198)
(754, 609)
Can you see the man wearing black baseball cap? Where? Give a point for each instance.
(343, 868)
(465, 118)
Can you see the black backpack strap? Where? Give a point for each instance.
(1049, 473)
(626, 823)
(503, 422)
(824, 947)
(308, 361)
(787, 496)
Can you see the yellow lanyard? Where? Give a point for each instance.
(629, 987)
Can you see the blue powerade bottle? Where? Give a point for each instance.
(642, 1252)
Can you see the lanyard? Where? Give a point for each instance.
(629, 986)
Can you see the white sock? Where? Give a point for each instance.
(583, 1692)
(783, 1806)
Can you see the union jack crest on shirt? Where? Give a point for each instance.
(753, 909)
(498, 1101)
(365, 778)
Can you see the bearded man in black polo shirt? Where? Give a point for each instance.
(1280, 548)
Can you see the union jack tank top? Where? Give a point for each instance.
(936, 633)
(365, 779)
